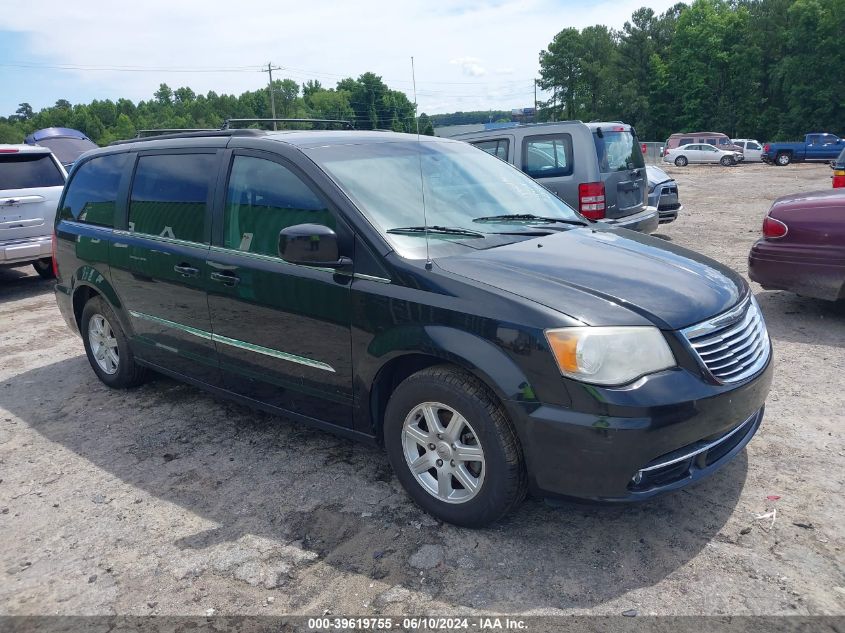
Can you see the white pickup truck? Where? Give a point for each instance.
(31, 181)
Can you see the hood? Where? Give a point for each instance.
(604, 276)
(656, 175)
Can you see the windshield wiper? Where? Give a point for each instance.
(442, 230)
(527, 217)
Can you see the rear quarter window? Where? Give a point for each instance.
(26, 170)
(91, 196)
(497, 147)
(547, 156)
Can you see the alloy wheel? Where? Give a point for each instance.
(443, 452)
(103, 344)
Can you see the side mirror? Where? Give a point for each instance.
(311, 245)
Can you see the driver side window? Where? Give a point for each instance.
(263, 198)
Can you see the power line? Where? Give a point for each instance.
(138, 69)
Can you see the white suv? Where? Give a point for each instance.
(31, 181)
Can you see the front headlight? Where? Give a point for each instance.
(609, 355)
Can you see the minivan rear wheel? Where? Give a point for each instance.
(681, 161)
(453, 447)
(107, 347)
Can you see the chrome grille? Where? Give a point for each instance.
(733, 345)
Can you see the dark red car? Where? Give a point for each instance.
(803, 246)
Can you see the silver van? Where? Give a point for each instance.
(596, 168)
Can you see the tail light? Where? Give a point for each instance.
(838, 178)
(774, 229)
(53, 255)
(591, 201)
(666, 152)
(766, 148)
(644, 148)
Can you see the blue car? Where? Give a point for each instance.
(66, 144)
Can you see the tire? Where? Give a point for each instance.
(118, 371)
(438, 394)
(44, 268)
(783, 159)
(681, 161)
(727, 161)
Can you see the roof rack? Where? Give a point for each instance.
(191, 134)
(504, 130)
(226, 130)
(229, 122)
(173, 130)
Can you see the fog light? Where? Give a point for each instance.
(638, 477)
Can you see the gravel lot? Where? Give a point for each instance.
(165, 500)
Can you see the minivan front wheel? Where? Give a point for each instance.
(681, 161)
(107, 347)
(453, 447)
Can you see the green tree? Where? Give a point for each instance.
(164, 94)
(24, 112)
(425, 125)
(560, 73)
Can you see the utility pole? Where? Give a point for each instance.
(535, 100)
(270, 69)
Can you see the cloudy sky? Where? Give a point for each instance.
(469, 55)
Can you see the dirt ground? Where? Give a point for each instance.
(165, 500)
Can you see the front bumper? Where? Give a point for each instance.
(664, 196)
(25, 251)
(613, 458)
(646, 221)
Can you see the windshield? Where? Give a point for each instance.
(67, 150)
(618, 151)
(464, 188)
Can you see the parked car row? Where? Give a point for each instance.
(715, 147)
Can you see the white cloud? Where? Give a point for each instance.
(321, 39)
(470, 66)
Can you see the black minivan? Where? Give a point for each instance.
(418, 293)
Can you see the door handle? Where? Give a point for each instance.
(229, 279)
(186, 271)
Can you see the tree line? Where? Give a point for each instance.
(766, 69)
(367, 102)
